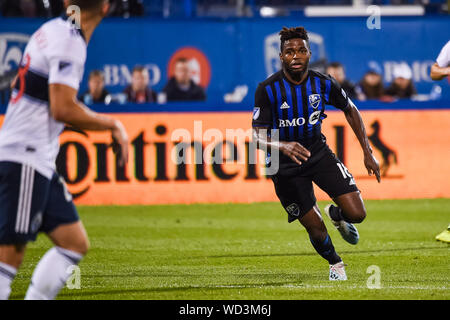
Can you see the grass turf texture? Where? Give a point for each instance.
(249, 251)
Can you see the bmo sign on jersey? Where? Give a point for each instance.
(297, 122)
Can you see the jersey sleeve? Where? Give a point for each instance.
(443, 60)
(262, 111)
(338, 97)
(66, 62)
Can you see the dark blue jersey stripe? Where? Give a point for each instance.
(280, 111)
(298, 91)
(327, 90)
(272, 101)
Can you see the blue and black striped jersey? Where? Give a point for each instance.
(297, 110)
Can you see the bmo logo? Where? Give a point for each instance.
(297, 122)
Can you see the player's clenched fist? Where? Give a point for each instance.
(295, 151)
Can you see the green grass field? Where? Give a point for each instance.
(249, 251)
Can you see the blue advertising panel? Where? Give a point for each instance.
(239, 53)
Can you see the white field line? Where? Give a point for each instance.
(320, 286)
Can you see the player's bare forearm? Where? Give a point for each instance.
(66, 108)
(292, 149)
(438, 73)
(355, 120)
(356, 123)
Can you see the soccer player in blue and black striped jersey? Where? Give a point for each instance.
(292, 102)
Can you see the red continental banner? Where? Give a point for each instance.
(412, 147)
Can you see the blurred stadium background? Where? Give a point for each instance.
(230, 47)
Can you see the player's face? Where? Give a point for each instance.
(295, 56)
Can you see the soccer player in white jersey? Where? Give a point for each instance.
(439, 70)
(33, 198)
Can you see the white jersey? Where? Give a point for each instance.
(443, 60)
(56, 53)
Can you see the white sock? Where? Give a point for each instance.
(51, 274)
(7, 274)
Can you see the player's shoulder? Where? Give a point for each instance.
(60, 34)
(271, 79)
(320, 75)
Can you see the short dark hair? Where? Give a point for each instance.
(182, 59)
(87, 4)
(138, 68)
(292, 33)
(96, 73)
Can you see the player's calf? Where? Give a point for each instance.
(11, 257)
(51, 273)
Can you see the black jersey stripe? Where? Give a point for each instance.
(299, 94)
(33, 85)
(315, 90)
(304, 97)
(309, 126)
(322, 91)
(294, 108)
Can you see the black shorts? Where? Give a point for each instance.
(30, 203)
(294, 187)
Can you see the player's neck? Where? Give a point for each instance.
(296, 79)
(88, 25)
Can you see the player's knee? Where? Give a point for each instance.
(359, 216)
(81, 246)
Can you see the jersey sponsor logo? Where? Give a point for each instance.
(293, 209)
(314, 117)
(314, 100)
(285, 106)
(297, 122)
(256, 113)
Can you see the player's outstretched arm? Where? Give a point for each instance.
(355, 120)
(65, 108)
(292, 149)
(438, 73)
